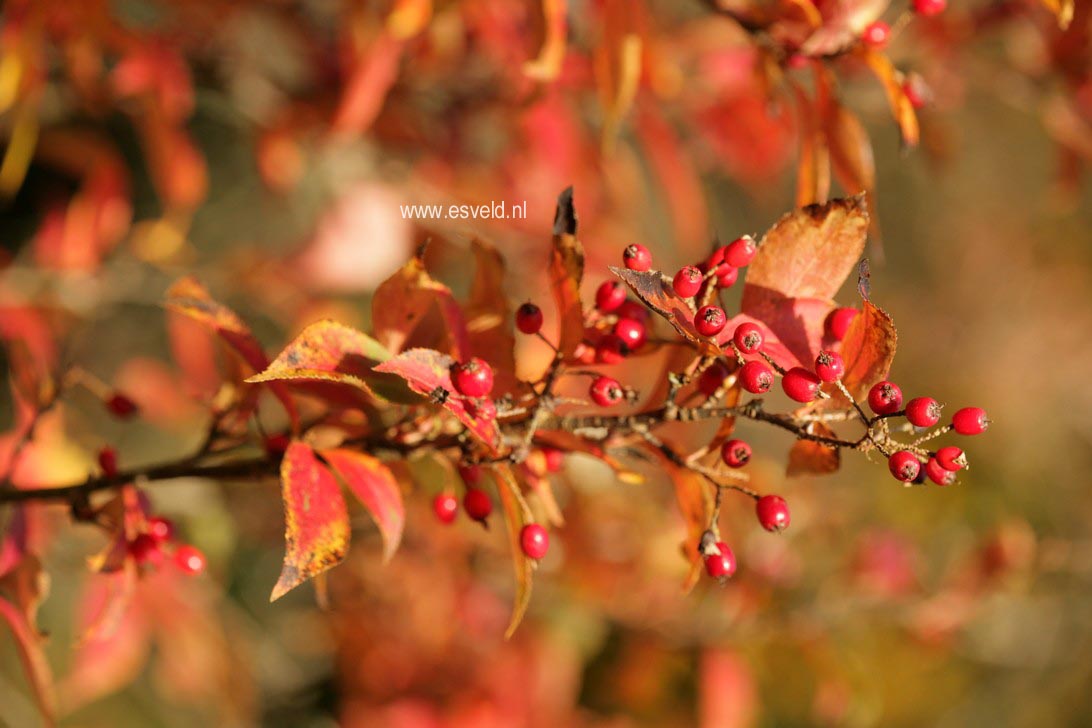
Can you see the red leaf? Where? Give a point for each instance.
(807, 456)
(316, 530)
(428, 373)
(190, 298)
(566, 273)
(376, 487)
(487, 316)
(404, 300)
(516, 516)
(365, 90)
(868, 349)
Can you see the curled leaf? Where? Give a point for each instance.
(402, 303)
(566, 273)
(516, 516)
(901, 107)
(376, 488)
(868, 349)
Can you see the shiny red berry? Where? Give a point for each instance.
(145, 549)
(756, 377)
(970, 421)
(735, 453)
(275, 445)
(477, 504)
(108, 461)
(632, 332)
(877, 34)
(161, 529)
(636, 257)
(904, 465)
(716, 261)
(951, 458)
(121, 406)
(687, 282)
(471, 474)
(554, 458)
(606, 391)
(829, 366)
(529, 318)
(923, 411)
(534, 540)
(748, 338)
(727, 278)
(473, 378)
(445, 506)
(773, 513)
(713, 376)
(631, 309)
(928, 8)
(937, 473)
(722, 564)
(609, 296)
(710, 320)
(837, 322)
(800, 384)
(885, 398)
(740, 252)
(610, 349)
(190, 559)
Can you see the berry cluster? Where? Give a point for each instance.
(150, 547)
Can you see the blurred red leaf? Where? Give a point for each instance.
(566, 273)
(729, 695)
(374, 486)
(868, 349)
(813, 164)
(843, 21)
(370, 79)
(846, 138)
(428, 373)
(403, 301)
(316, 530)
(807, 456)
(516, 516)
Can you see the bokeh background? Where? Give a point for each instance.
(267, 148)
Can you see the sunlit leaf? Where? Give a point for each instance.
(1063, 11)
(487, 320)
(516, 516)
(566, 273)
(316, 520)
(807, 456)
(868, 349)
(376, 488)
(401, 304)
(692, 495)
(901, 108)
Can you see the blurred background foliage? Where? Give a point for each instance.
(267, 147)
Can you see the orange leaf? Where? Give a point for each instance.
(813, 167)
(516, 516)
(692, 495)
(566, 273)
(487, 322)
(807, 456)
(369, 81)
(868, 349)
(547, 65)
(404, 300)
(375, 486)
(847, 140)
(901, 107)
(316, 529)
(1063, 10)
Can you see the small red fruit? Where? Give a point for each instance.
(473, 378)
(534, 540)
(951, 458)
(800, 384)
(687, 282)
(710, 320)
(756, 377)
(735, 453)
(144, 548)
(929, 8)
(471, 474)
(904, 465)
(837, 322)
(554, 459)
(632, 332)
(923, 411)
(727, 278)
(711, 379)
(938, 474)
(445, 506)
(529, 318)
(876, 34)
(610, 349)
(108, 461)
(609, 296)
(773, 513)
(740, 252)
(748, 338)
(121, 406)
(637, 257)
(190, 559)
(631, 309)
(970, 421)
(721, 565)
(161, 529)
(830, 366)
(716, 261)
(606, 391)
(885, 398)
(477, 504)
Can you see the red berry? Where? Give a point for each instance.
(970, 421)
(830, 366)
(756, 377)
(471, 474)
(445, 506)
(748, 338)
(885, 398)
(477, 504)
(554, 458)
(534, 540)
(716, 261)
(636, 257)
(711, 379)
(735, 453)
(144, 548)
(632, 332)
(876, 34)
(710, 320)
(800, 384)
(837, 322)
(687, 281)
(937, 473)
(773, 513)
(928, 8)
(951, 458)
(606, 391)
(190, 559)
(721, 565)
(108, 461)
(161, 529)
(740, 252)
(727, 278)
(472, 378)
(923, 411)
(483, 409)
(904, 465)
(610, 349)
(609, 296)
(630, 309)
(529, 318)
(275, 445)
(121, 406)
